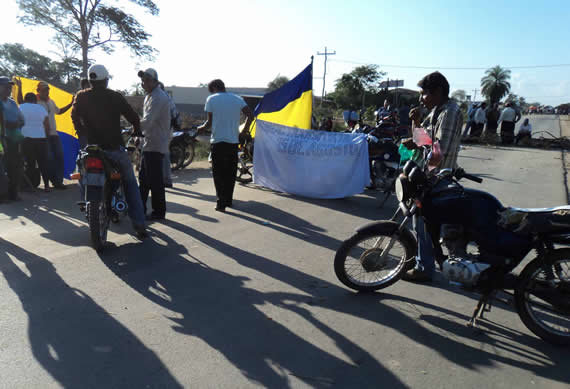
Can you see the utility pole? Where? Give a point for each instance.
(326, 54)
(475, 94)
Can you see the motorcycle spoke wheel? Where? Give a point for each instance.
(244, 172)
(188, 155)
(368, 262)
(543, 300)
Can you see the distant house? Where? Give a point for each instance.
(191, 101)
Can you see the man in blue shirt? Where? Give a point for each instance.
(224, 111)
(13, 121)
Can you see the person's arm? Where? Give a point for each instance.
(129, 113)
(208, 123)
(501, 117)
(61, 111)
(153, 108)
(20, 97)
(76, 115)
(46, 126)
(19, 123)
(249, 118)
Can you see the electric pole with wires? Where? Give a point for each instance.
(326, 54)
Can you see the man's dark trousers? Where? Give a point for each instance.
(151, 180)
(14, 167)
(224, 170)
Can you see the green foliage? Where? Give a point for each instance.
(85, 25)
(495, 84)
(459, 95)
(357, 87)
(277, 83)
(16, 60)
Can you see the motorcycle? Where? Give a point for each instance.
(104, 200)
(245, 160)
(485, 242)
(182, 147)
(384, 164)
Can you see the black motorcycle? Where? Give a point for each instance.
(104, 200)
(384, 164)
(182, 147)
(484, 241)
(245, 160)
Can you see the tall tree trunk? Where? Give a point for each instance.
(85, 60)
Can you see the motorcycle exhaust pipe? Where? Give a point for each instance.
(120, 206)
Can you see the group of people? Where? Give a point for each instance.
(96, 112)
(483, 121)
(28, 129)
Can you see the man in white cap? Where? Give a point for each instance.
(96, 113)
(155, 126)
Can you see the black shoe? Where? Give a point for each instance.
(416, 275)
(60, 187)
(219, 208)
(141, 232)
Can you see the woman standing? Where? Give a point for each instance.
(35, 146)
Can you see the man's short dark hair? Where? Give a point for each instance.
(216, 84)
(31, 98)
(99, 83)
(433, 81)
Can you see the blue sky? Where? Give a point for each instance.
(248, 43)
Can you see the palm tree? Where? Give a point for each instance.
(495, 85)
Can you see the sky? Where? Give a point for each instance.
(249, 43)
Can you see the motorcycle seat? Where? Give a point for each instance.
(543, 210)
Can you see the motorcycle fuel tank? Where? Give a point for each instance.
(478, 213)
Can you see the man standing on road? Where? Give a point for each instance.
(156, 130)
(97, 113)
(444, 124)
(13, 121)
(508, 119)
(54, 142)
(224, 110)
(479, 121)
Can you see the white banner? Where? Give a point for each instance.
(310, 163)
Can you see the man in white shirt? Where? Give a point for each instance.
(507, 121)
(479, 121)
(35, 146)
(224, 110)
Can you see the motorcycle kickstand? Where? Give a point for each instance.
(483, 305)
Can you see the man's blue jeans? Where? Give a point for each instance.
(132, 192)
(425, 260)
(56, 159)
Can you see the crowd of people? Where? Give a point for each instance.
(484, 121)
(28, 129)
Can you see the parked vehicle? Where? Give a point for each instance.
(104, 193)
(485, 242)
(182, 147)
(245, 160)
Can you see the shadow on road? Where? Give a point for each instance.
(74, 339)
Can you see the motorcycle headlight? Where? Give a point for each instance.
(400, 187)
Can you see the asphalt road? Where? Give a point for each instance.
(249, 298)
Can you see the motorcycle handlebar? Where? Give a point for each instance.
(473, 178)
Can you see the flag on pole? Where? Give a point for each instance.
(65, 128)
(291, 105)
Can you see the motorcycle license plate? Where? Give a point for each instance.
(94, 179)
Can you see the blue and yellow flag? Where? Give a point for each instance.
(65, 128)
(291, 105)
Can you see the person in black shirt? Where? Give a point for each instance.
(96, 114)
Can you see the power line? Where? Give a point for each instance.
(326, 54)
(455, 67)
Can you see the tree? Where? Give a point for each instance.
(459, 95)
(277, 82)
(17, 60)
(88, 24)
(495, 84)
(354, 88)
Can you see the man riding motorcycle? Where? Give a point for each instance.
(96, 114)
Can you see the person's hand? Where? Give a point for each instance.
(18, 82)
(409, 144)
(415, 115)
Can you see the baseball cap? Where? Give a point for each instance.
(6, 81)
(97, 72)
(150, 72)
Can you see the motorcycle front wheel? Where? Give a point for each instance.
(176, 157)
(188, 155)
(98, 223)
(542, 297)
(244, 170)
(375, 257)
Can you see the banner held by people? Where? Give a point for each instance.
(316, 164)
(65, 128)
(291, 105)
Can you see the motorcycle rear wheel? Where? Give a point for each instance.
(188, 155)
(244, 171)
(375, 257)
(98, 223)
(549, 320)
(176, 157)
